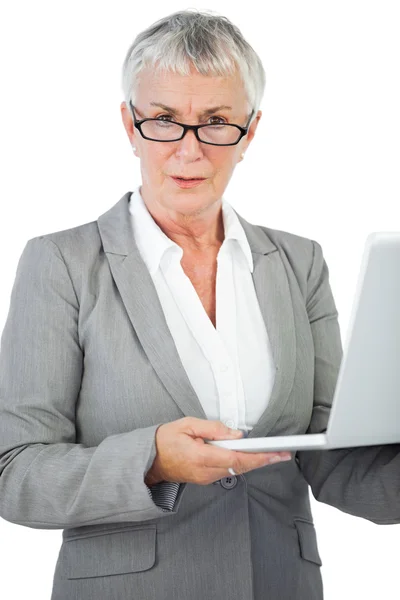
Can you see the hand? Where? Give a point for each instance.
(184, 457)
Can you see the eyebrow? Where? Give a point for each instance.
(209, 111)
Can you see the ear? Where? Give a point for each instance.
(252, 130)
(128, 123)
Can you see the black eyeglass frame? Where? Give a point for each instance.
(195, 128)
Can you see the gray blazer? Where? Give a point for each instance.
(89, 370)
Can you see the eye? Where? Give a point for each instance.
(215, 117)
(169, 117)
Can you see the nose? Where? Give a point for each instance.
(189, 145)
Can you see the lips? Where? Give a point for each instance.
(188, 183)
(186, 178)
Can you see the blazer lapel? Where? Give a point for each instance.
(144, 309)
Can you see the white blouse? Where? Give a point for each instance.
(231, 366)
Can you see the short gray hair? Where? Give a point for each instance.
(212, 43)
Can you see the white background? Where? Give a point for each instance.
(324, 164)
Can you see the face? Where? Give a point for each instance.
(192, 208)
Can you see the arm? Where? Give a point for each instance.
(151, 479)
(163, 493)
(153, 474)
(47, 480)
(365, 481)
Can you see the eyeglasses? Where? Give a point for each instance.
(220, 134)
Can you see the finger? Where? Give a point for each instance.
(284, 454)
(245, 463)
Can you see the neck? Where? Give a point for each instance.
(190, 232)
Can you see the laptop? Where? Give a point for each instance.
(366, 404)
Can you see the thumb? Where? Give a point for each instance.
(213, 430)
(222, 431)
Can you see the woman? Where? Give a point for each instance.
(125, 348)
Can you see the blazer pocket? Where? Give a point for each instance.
(308, 541)
(115, 553)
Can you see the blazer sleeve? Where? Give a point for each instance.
(362, 481)
(47, 480)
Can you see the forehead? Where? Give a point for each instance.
(190, 93)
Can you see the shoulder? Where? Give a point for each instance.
(299, 250)
(302, 257)
(76, 244)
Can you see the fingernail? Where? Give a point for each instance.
(236, 432)
(275, 459)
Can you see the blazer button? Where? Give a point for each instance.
(229, 482)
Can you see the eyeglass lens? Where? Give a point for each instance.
(168, 131)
